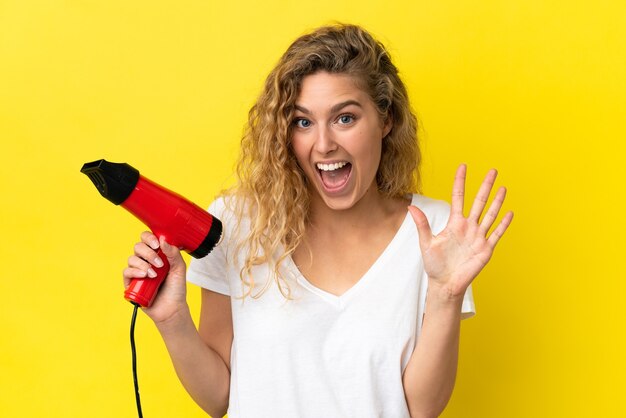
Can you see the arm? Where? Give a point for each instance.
(201, 358)
(452, 260)
(431, 372)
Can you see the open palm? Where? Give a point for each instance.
(455, 256)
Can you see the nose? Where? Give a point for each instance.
(325, 142)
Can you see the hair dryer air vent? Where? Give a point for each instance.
(114, 181)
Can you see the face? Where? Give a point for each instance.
(337, 139)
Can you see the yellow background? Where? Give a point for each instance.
(534, 88)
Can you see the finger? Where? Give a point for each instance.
(500, 229)
(131, 273)
(493, 211)
(127, 274)
(134, 273)
(171, 252)
(482, 196)
(150, 239)
(423, 228)
(458, 191)
(142, 250)
(141, 264)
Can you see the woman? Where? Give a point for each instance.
(327, 296)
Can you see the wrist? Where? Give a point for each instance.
(443, 307)
(175, 320)
(445, 293)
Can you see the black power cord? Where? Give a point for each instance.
(134, 355)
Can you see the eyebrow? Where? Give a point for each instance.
(333, 109)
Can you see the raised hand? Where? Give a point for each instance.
(454, 257)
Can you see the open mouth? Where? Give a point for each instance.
(334, 176)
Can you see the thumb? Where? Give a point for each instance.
(173, 255)
(423, 228)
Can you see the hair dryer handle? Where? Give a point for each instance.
(143, 291)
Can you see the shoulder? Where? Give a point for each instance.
(228, 207)
(234, 213)
(437, 211)
(429, 204)
(218, 206)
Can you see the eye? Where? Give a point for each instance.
(302, 123)
(345, 119)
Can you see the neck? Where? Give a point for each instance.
(371, 207)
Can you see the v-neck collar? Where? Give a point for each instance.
(340, 301)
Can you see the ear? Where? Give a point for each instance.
(388, 125)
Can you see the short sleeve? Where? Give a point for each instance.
(468, 309)
(211, 272)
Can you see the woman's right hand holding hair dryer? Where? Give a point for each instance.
(171, 297)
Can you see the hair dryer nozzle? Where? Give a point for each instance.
(114, 181)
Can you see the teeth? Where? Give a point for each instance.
(330, 167)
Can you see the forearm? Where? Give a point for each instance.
(200, 369)
(431, 372)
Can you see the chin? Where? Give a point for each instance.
(340, 203)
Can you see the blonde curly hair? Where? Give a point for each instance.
(272, 190)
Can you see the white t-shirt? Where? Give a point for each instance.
(321, 355)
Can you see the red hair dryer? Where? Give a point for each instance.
(182, 223)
